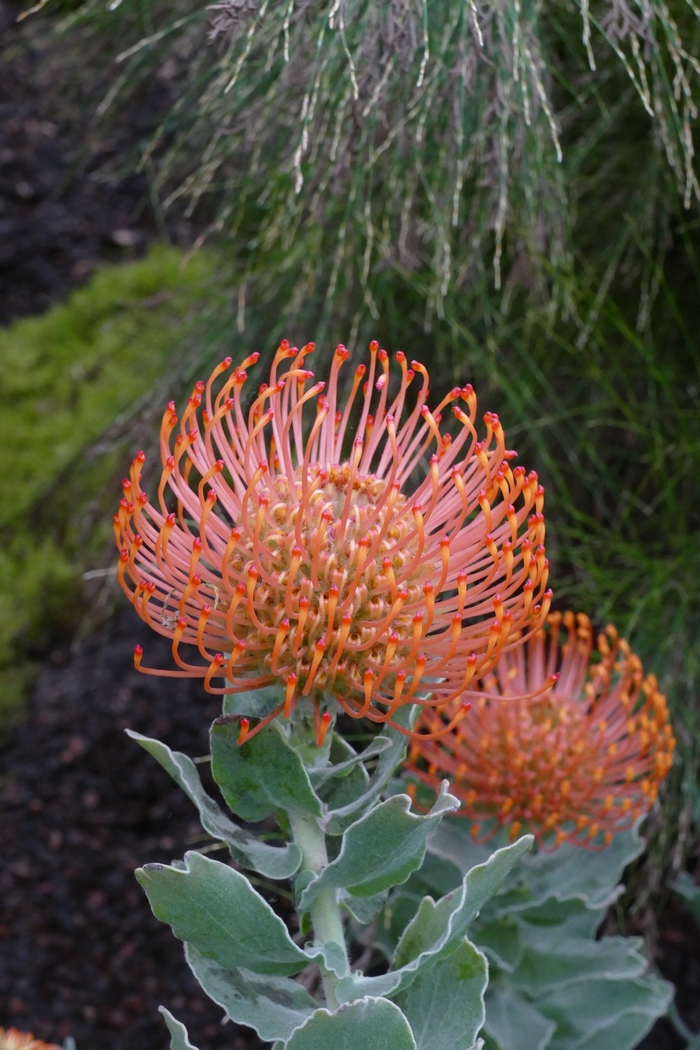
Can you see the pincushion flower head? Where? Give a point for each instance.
(579, 761)
(13, 1039)
(351, 553)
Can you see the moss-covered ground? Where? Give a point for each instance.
(74, 386)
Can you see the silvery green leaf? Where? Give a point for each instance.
(562, 874)
(330, 956)
(513, 1023)
(501, 942)
(179, 1039)
(438, 929)
(341, 766)
(255, 703)
(402, 905)
(570, 871)
(366, 1024)
(273, 1006)
(273, 861)
(381, 849)
(261, 775)
(214, 908)
(452, 840)
(363, 909)
(605, 1012)
(445, 1004)
(343, 791)
(573, 918)
(554, 963)
(336, 822)
(438, 876)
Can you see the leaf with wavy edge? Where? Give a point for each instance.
(273, 1006)
(445, 1004)
(381, 849)
(179, 1038)
(438, 929)
(366, 1024)
(275, 862)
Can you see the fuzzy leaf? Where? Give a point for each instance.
(338, 820)
(554, 964)
(438, 929)
(501, 942)
(362, 909)
(254, 703)
(445, 1004)
(273, 1006)
(179, 1039)
(262, 775)
(513, 1023)
(562, 874)
(381, 849)
(605, 1013)
(214, 907)
(340, 767)
(272, 861)
(366, 1024)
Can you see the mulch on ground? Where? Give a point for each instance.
(61, 215)
(81, 806)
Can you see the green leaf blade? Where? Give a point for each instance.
(273, 1006)
(381, 849)
(275, 862)
(445, 1004)
(366, 1024)
(261, 775)
(212, 906)
(179, 1038)
(438, 929)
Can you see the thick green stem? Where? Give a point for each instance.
(326, 919)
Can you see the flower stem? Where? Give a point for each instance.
(325, 914)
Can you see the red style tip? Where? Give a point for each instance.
(243, 731)
(326, 719)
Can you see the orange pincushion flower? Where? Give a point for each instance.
(285, 557)
(581, 758)
(13, 1039)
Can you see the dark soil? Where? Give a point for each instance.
(81, 806)
(61, 214)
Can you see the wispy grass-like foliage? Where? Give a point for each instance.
(425, 135)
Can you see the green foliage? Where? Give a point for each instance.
(552, 985)
(368, 1024)
(67, 376)
(445, 141)
(72, 383)
(272, 861)
(381, 849)
(214, 908)
(435, 1003)
(261, 775)
(242, 952)
(179, 1040)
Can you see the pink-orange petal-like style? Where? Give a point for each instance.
(13, 1039)
(577, 762)
(350, 550)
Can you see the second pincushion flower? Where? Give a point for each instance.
(357, 573)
